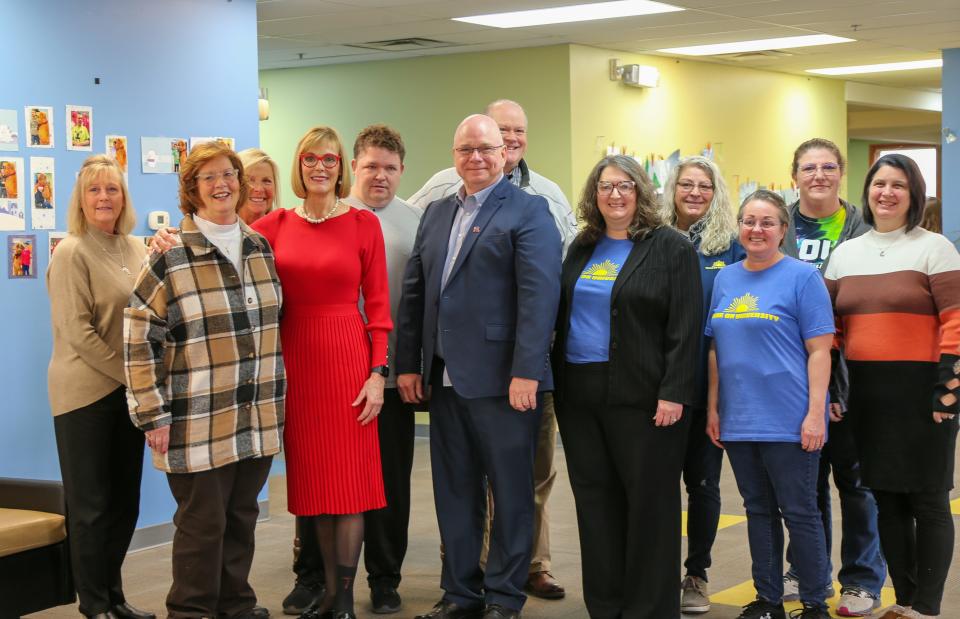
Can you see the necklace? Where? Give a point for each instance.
(302, 212)
(123, 260)
(883, 250)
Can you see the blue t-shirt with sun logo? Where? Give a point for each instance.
(759, 321)
(589, 337)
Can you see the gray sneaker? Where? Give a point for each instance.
(791, 589)
(693, 596)
(855, 602)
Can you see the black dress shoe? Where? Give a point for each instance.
(302, 597)
(344, 614)
(108, 615)
(314, 612)
(257, 612)
(385, 599)
(125, 611)
(448, 610)
(495, 611)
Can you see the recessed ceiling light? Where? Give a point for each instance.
(755, 46)
(880, 68)
(567, 14)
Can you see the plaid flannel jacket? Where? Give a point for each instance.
(202, 352)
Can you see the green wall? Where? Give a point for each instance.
(424, 99)
(858, 162)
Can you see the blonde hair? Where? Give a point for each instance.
(201, 155)
(311, 138)
(254, 156)
(719, 227)
(93, 167)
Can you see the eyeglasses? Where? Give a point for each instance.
(226, 175)
(605, 188)
(485, 151)
(827, 169)
(327, 160)
(687, 187)
(765, 224)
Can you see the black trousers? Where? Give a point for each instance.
(101, 462)
(385, 530)
(916, 533)
(214, 542)
(625, 474)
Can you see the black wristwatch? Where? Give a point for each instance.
(382, 370)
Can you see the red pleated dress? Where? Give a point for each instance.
(333, 463)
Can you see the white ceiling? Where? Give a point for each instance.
(294, 33)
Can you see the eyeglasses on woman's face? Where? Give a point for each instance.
(827, 169)
(327, 160)
(210, 178)
(625, 188)
(689, 186)
(767, 223)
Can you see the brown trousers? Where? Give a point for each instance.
(213, 545)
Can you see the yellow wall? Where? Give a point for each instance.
(424, 99)
(754, 119)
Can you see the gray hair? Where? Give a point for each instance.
(719, 227)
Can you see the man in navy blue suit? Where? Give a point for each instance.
(479, 303)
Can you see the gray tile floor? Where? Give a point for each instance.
(147, 572)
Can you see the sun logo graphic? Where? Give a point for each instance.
(746, 303)
(605, 271)
(717, 264)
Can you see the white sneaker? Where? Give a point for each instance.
(791, 589)
(856, 602)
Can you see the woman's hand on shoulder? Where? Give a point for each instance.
(164, 240)
(813, 431)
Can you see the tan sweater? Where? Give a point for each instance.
(88, 293)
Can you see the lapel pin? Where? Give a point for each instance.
(476, 229)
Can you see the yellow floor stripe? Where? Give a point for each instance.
(726, 520)
(744, 593)
(955, 507)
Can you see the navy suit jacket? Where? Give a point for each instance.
(498, 309)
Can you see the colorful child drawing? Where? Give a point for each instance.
(8, 180)
(42, 193)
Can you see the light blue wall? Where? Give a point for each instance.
(950, 160)
(167, 68)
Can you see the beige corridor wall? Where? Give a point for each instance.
(753, 118)
(424, 98)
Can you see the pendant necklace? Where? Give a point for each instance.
(883, 250)
(112, 255)
(302, 212)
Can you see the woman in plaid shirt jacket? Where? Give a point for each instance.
(206, 383)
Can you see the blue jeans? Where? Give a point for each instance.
(778, 483)
(862, 565)
(701, 477)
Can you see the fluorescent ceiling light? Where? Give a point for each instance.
(880, 68)
(568, 14)
(756, 46)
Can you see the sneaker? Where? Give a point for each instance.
(791, 589)
(302, 597)
(855, 602)
(693, 596)
(810, 612)
(762, 609)
(385, 599)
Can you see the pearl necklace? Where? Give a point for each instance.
(123, 260)
(302, 212)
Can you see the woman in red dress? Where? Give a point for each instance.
(327, 254)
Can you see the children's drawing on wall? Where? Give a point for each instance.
(53, 240)
(228, 142)
(39, 121)
(117, 149)
(178, 148)
(11, 194)
(156, 155)
(21, 257)
(9, 134)
(43, 214)
(79, 127)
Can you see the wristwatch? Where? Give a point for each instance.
(382, 370)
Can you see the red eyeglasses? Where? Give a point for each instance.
(327, 160)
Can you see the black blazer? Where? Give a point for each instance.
(656, 314)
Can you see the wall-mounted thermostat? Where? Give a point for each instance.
(158, 219)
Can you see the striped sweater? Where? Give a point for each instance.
(896, 296)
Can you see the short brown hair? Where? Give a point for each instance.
(645, 219)
(92, 168)
(380, 136)
(201, 155)
(772, 198)
(311, 138)
(915, 183)
(823, 143)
